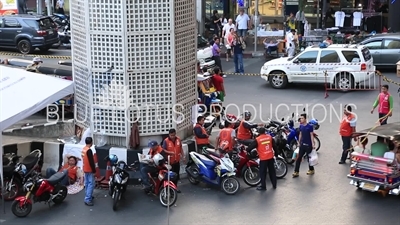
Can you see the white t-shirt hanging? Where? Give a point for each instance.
(339, 18)
(357, 17)
(242, 21)
(227, 28)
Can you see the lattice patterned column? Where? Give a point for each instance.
(141, 58)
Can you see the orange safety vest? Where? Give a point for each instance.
(72, 172)
(86, 164)
(201, 141)
(264, 147)
(345, 129)
(384, 104)
(225, 138)
(154, 152)
(175, 147)
(243, 133)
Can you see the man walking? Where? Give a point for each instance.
(384, 102)
(242, 24)
(305, 143)
(347, 128)
(173, 147)
(264, 145)
(90, 167)
(290, 42)
(216, 51)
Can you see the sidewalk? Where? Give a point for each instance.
(249, 51)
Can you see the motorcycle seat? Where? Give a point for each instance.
(213, 152)
(30, 160)
(57, 177)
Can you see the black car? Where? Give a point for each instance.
(27, 32)
(384, 48)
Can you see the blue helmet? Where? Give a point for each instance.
(113, 159)
(313, 122)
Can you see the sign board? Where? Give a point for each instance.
(8, 7)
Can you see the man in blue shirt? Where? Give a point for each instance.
(237, 47)
(216, 51)
(306, 144)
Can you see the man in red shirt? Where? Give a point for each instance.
(218, 82)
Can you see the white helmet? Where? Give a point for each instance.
(157, 158)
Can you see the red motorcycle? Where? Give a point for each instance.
(40, 190)
(161, 187)
(246, 165)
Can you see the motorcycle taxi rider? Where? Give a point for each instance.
(155, 149)
(226, 138)
(244, 134)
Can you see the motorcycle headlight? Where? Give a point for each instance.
(118, 178)
(202, 61)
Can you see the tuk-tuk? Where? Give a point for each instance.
(376, 173)
(207, 94)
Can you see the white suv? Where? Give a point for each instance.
(343, 66)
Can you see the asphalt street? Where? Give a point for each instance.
(324, 198)
(47, 57)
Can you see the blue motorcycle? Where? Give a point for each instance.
(213, 169)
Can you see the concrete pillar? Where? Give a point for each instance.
(394, 15)
(134, 59)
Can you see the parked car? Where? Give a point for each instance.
(27, 32)
(341, 66)
(204, 53)
(384, 48)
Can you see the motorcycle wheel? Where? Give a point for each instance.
(230, 185)
(191, 179)
(280, 168)
(164, 196)
(252, 180)
(21, 211)
(12, 193)
(116, 197)
(63, 194)
(317, 143)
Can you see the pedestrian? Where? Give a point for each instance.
(216, 22)
(305, 143)
(384, 102)
(60, 7)
(216, 51)
(347, 128)
(229, 39)
(172, 145)
(264, 144)
(238, 45)
(90, 169)
(227, 35)
(290, 42)
(218, 82)
(242, 24)
(200, 135)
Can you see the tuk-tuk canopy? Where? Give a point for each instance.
(391, 130)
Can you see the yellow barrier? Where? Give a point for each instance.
(16, 54)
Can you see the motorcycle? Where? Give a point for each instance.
(10, 160)
(245, 162)
(17, 173)
(60, 19)
(212, 169)
(293, 134)
(118, 182)
(40, 190)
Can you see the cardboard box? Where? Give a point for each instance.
(398, 69)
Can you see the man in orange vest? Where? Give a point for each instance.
(145, 168)
(226, 138)
(264, 144)
(384, 101)
(90, 168)
(346, 130)
(74, 173)
(172, 145)
(244, 134)
(200, 135)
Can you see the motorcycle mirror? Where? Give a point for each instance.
(283, 119)
(304, 109)
(292, 115)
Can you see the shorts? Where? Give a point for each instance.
(242, 32)
(221, 96)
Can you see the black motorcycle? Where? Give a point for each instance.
(118, 182)
(17, 173)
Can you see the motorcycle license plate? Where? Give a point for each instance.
(50, 32)
(370, 187)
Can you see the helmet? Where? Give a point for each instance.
(247, 114)
(231, 118)
(313, 122)
(113, 159)
(158, 159)
(253, 153)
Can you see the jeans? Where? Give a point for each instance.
(242, 32)
(89, 186)
(303, 150)
(383, 122)
(238, 60)
(50, 172)
(218, 63)
(271, 49)
(267, 166)
(346, 146)
(144, 170)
